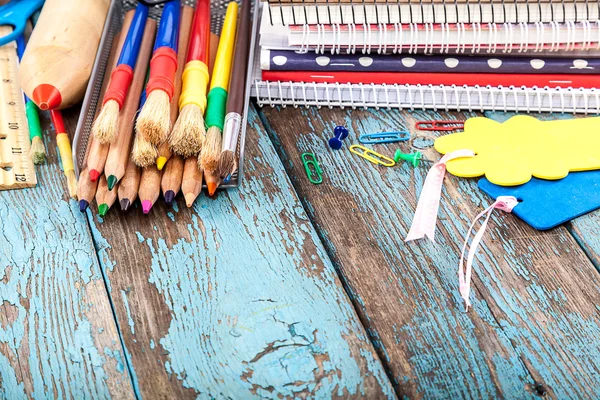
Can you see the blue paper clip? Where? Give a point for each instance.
(385, 137)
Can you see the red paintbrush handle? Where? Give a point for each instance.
(200, 33)
(163, 67)
(120, 80)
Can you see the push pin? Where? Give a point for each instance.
(413, 158)
(340, 133)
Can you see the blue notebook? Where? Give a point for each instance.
(545, 204)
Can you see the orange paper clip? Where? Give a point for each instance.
(449, 125)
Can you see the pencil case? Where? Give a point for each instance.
(92, 99)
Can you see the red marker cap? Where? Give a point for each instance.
(47, 97)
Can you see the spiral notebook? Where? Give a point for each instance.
(532, 56)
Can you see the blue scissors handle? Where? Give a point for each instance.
(16, 13)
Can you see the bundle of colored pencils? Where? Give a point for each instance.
(163, 79)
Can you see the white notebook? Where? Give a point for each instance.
(430, 38)
(450, 12)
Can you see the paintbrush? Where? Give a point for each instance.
(105, 126)
(154, 121)
(235, 100)
(188, 133)
(217, 97)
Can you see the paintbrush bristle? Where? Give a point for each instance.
(227, 163)
(209, 158)
(144, 153)
(72, 184)
(188, 133)
(105, 126)
(154, 121)
(38, 151)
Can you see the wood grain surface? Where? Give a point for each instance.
(58, 337)
(235, 297)
(534, 318)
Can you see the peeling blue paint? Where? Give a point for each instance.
(269, 318)
(128, 311)
(48, 267)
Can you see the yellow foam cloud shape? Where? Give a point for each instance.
(510, 153)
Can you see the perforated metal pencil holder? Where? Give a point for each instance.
(92, 99)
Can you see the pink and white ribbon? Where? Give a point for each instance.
(504, 203)
(423, 223)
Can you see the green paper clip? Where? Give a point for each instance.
(314, 174)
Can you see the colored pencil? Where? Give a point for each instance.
(129, 185)
(105, 198)
(235, 100)
(191, 186)
(187, 13)
(149, 187)
(64, 147)
(171, 179)
(188, 133)
(38, 150)
(120, 149)
(97, 152)
(154, 121)
(86, 190)
(105, 125)
(217, 98)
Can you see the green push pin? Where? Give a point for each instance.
(413, 158)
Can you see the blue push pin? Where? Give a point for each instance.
(340, 133)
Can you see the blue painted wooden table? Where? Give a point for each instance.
(283, 289)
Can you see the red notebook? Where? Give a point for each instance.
(447, 79)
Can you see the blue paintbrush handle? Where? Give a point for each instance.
(168, 30)
(131, 47)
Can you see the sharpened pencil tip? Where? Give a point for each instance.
(111, 181)
(212, 188)
(102, 209)
(125, 203)
(94, 175)
(83, 205)
(146, 206)
(160, 162)
(169, 196)
(189, 199)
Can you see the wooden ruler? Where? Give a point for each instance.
(16, 168)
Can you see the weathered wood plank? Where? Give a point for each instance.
(236, 297)
(58, 337)
(535, 294)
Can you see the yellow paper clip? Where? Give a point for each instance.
(372, 156)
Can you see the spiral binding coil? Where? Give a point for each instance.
(471, 98)
(473, 38)
(418, 12)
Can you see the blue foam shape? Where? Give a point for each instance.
(545, 204)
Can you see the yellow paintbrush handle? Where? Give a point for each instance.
(194, 82)
(222, 68)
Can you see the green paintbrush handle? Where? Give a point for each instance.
(33, 120)
(215, 109)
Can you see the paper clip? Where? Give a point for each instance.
(372, 156)
(385, 137)
(315, 175)
(448, 126)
